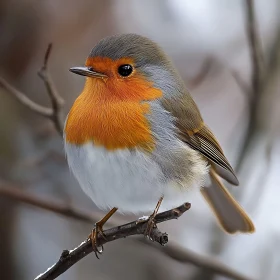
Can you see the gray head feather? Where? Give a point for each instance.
(141, 49)
(148, 57)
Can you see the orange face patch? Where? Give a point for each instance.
(110, 112)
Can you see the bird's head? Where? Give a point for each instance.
(127, 67)
(123, 74)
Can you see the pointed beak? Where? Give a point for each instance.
(88, 72)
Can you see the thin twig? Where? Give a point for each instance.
(10, 191)
(23, 99)
(47, 55)
(256, 79)
(254, 43)
(57, 102)
(245, 89)
(178, 253)
(69, 258)
(200, 77)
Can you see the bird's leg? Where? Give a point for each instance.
(151, 221)
(98, 228)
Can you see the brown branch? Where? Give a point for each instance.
(254, 43)
(174, 251)
(57, 102)
(256, 79)
(23, 99)
(10, 191)
(263, 77)
(69, 258)
(200, 77)
(245, 89)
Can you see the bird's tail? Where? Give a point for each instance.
(229, 213)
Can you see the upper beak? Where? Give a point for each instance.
(87, 71)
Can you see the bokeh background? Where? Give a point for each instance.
(208, 42)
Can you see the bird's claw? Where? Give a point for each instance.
(98, 250)
(98, 229)
(150, 226)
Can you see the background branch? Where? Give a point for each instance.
(58, 207)
(255, 93)
(176, 252)
(24, 100)
(57, 102)
(258, 94)
(203, 72)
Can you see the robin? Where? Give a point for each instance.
(135, 139)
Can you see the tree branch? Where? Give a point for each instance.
(57, 102)
(254, 43)
(201, 75)
(69, 258)
(256, 79)
(24, 100)
(176, 252)
(10, 191)
(245, 89)
(173, 250)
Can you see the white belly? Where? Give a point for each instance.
(129, 180)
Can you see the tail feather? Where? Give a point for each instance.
(229, 213)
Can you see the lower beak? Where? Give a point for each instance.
(88, 72)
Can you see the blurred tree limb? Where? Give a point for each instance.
(10, 191)
(259, 96)
(173, 250)
(56, 101)
(202, 73)
(24, 100)
(260, 78)
(54, 113)
(260, 93)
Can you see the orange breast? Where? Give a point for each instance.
(112, 114)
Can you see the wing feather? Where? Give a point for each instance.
(205, 142)
(193, 131)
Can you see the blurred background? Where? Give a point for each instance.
(237, 93)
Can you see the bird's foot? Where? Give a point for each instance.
(98, 229)
(150, 225)
(151, 220)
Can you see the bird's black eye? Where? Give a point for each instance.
(125, 70)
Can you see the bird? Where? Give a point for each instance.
(136, 141)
